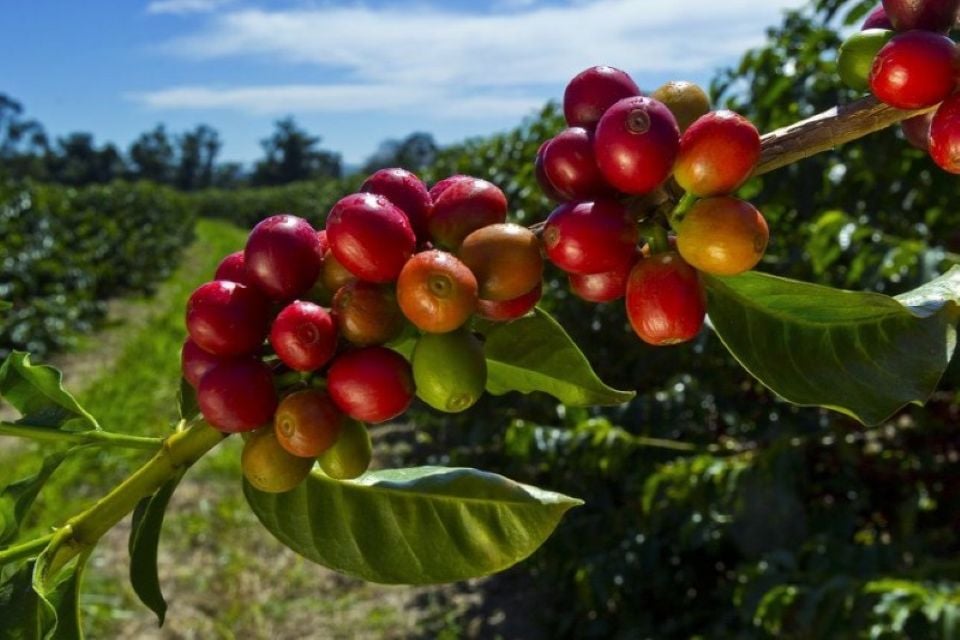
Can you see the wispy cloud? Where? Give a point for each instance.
(185, 6)
(456, 63)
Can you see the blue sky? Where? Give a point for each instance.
(355, 73)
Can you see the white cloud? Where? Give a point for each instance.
(185, 6)
(414, 56)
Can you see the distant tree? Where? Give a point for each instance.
(416, 151)
(292, 154)
(228, 175)
(197, 157)
(77, 161)
(23, 142)
(152, 156)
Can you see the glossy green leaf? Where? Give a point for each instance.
(534, 353)
(145, 529)
(863, 354)
(31, 610)
(37, 392)
(17, 497)
(412, 526)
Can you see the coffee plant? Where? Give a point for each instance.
(309, 334)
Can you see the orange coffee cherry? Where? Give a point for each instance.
(307, 423)
(722, 236)
(436, 291)
(367, 313)
(505, 258)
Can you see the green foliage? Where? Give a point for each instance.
(66, 251)
(412, 526)
(37, 392)
(17, 497)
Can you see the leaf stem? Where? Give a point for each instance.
(661, 443)
(105, 438)
(26, 549)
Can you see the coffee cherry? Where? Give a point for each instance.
(722, 236)
(571, 166)
(237, 395)
(463, 207)
(505, 258)
(304, 336)
(437, 189)
(270, 468)
(686, 101)
(406, 191)
(717, 154)
(367, 313)
(917, 130)
(195, 362)
(307, 423)
(371, 237)
(450, 370)
(593, 91)
(926, 15)
(436, 292)
(372, 384)
(350, 455)
(541, 175)
(283, 256)
(877, 19)
(233, 269)
(915, 70)
(636, 144)
(856, 56)
(506, 310)
(227, 319)
(945, 135)
(665, 300)
(590, 237)
(602, 287)
(333, 274)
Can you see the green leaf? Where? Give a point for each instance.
(17, 497)
(863, 354)
(144, 540)
(29, 610)
(36, 391)
(4, 305)
(412, 526)
(534, 353)
(187, 400)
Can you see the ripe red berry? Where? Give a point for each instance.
(437, 189)
(571, 167)
(367, 313)
(601, 287)
(304, 336)
(914, 70)
(636, 144)
(917, 130)
(227, 318)
(717, 154)
(323, 242)
(406, 191)
(283, 256)
(232, 268)
(590, 237)
(195, 362)
(370, 236)
(541, 175)
(237, 395)
(877, 19)
(926, 15)
(373, 384)
(593, 91)
(945, 135)
(665, 300)
(463, 207)
(506, 310)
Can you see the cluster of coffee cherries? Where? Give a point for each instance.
(621, 146)
(288, 344)
(904, 57)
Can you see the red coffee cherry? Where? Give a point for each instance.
(914, 70)
(227, 318)
(373, 384)
(593, 91)
(917, 130)
(571, 166)
(367, 313)
(283, 256)
(541, 175)
(304, 336)
(506, 310)
(601, 287)
(927, 15)
(195, 362)
(877, 19)
(437, 292)
(323, 244)
(406, 191)
(307, 423)
(232, 268)
(371, 237)
(463, 207)
(437, 189)
(945, 135)
(590, 237)
(636, 144)
(238, 395)
(717, 154)
(665, 300)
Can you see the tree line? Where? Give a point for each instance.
(188, 160)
